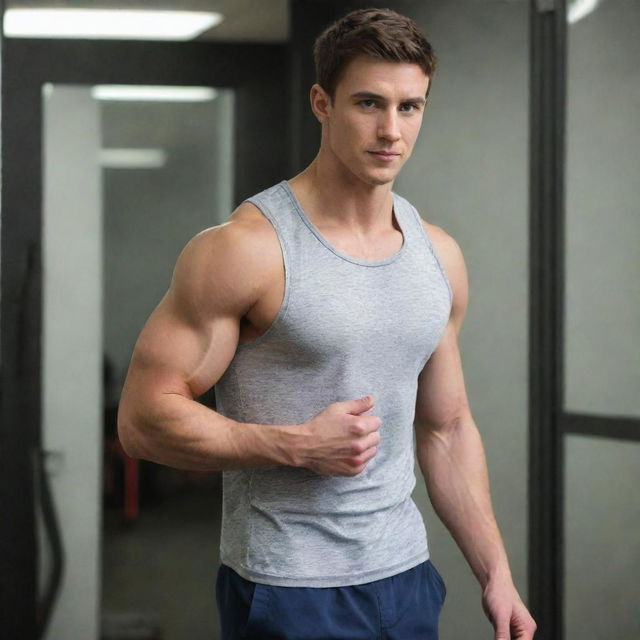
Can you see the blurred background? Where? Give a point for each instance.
(120, 144)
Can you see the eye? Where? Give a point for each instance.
(409, 107)
(367, 103)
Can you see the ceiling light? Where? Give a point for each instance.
(578, 9)
(150, 93)
(121, 24)
(133, 158)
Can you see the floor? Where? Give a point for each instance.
(164, 564)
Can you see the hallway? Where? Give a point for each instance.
(164, 565)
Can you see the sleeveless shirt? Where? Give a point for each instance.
(346, 328)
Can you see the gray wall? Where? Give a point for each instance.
(602, 315)
(150, 214)
(602, 523)
(469, 175)
(72, 346)
(603, 212)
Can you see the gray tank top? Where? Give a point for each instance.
(346, 328)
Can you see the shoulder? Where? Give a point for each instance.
(228, 266)
(453, 263)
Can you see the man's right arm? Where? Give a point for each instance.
(185, 347)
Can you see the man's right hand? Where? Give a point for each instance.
(339, 440)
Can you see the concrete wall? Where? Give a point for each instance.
(469, 175)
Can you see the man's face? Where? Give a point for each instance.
(375, 117)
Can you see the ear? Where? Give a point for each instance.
(320, 103)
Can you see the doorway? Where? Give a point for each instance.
(251, 80)
(129, 176)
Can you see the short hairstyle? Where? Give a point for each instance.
(378, 33)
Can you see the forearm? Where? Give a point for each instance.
(179, 432)
(453, 463)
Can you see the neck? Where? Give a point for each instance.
(337, 197)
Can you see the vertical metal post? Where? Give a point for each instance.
(19, 387)
(546, 463)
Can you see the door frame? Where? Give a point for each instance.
(259, 75)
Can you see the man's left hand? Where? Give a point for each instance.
(506, 611)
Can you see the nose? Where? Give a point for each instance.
(389, 125)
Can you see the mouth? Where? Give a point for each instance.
(384, 155)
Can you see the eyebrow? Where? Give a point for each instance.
(376, 96)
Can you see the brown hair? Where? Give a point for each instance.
(378, 33)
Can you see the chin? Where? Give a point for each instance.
(375, 178)
(381, 178)
(379, 182)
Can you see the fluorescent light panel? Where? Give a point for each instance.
(149, 93)
(578, 9)
(121, 24)
(133, 158)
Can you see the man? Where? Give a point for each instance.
(326, 312)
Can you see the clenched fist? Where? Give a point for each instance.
(339, 440)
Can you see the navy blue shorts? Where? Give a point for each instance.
(402, 607)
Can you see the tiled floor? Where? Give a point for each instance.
(165, 563)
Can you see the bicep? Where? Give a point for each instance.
(175, 354)
(441, 398)
(191, 336)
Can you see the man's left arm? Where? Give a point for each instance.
(451, 457)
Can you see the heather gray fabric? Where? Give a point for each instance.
(346, 328)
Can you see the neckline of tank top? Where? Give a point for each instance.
(340, 254)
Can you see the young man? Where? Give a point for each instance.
(326, 312)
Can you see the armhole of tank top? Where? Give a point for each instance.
(427, 239)
(286, 262)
